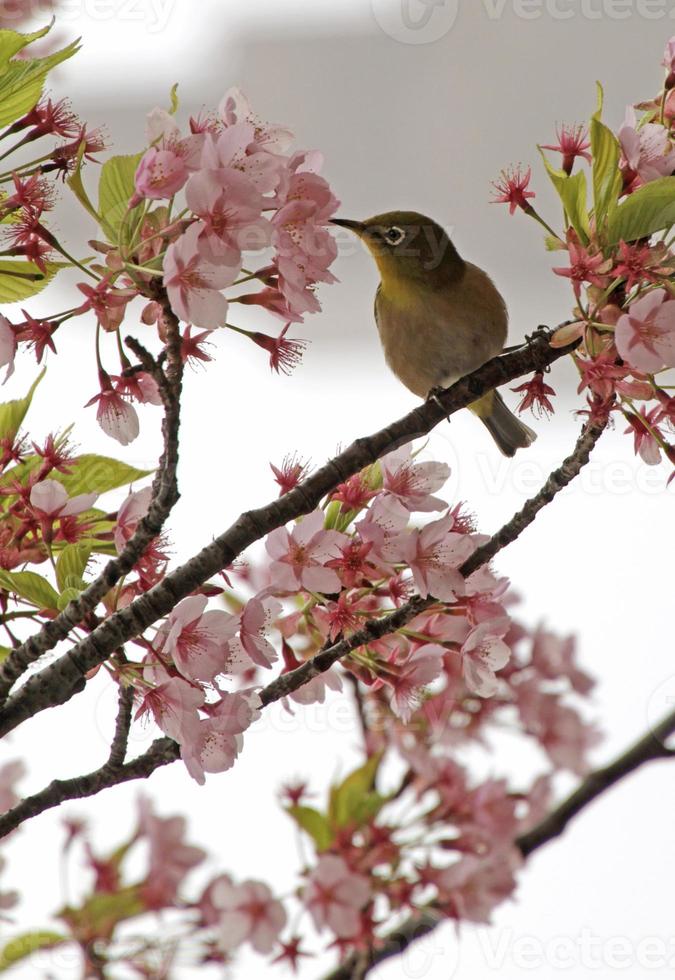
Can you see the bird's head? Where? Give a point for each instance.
(407, 246)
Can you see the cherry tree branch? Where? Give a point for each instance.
(161, 753)
(58, 682)
(558, 479)
(648, 748)
(118, 746)
(164, 497)
(375, 629)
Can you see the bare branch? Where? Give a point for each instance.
(57, 683)
(118, 747)
(375, 629)
(164, 497)
(161, 753)
(650, 747)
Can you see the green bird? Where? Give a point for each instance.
(438, 317)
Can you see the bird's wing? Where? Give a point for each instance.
(377, 305)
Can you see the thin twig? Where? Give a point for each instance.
(57, 683)
(647, 749)
(164, 497)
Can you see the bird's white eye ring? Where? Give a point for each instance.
(394, 235)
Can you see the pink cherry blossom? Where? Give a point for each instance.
(7, 346)
(483, 653)
(160, 174)
(554, 656)
(193, 283)
(473, 887)
(512, 189)
(315, 691)
(383, 526)
(214, 744)
(559, 729)
(236, 149)
(140, 386)
(172, 701)
(644, 426)
(411, 482)
(229, 206)
(116, 416)
(584, 266)
(235, 108)
(434, 555)
(49, 498)
(420, 668)
(162, 130)
(335, 896)
(645, 336)
(648, 151)
(166, 165)
(299, 556)
(170, 857)
(197, 641)
(10, 773)
(669, 56)
(573, 142)
(248, 913)
(252, 644)
(130, 514)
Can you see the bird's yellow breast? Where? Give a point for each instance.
(431, 336)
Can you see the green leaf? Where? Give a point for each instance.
(66, 597)
(314, 824)
(102, 912)
(13, 413)
(354, 799)
(98, 474)
(71, 565)
(31, 587)
(572, 193)
(115, 188)
(20, 280)
(22, 82)
(173, 99)
(649, 209)
(607, 179)
(601, 99)
(20, 947)
(11, 42)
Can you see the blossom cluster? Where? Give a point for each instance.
(220, 215)
(620, 264)
(410, 827)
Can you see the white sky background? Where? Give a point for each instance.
(403, 125)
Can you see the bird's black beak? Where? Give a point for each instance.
(356, 226)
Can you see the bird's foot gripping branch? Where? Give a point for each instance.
(372, 587)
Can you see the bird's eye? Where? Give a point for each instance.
(394, 235)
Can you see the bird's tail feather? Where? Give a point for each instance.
(507, 431)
